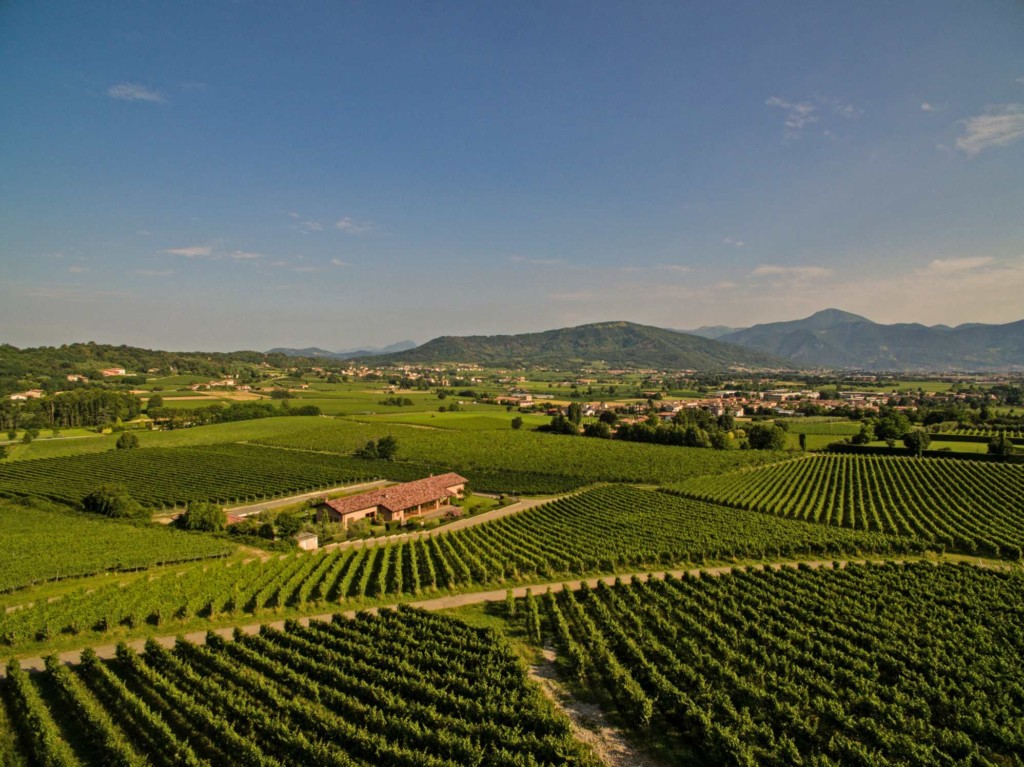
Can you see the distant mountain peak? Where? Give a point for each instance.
(836, 316)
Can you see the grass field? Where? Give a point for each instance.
(493, 459)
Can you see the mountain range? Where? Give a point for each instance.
(836, 339)
(614, 344)
(830, 338)
(315, 352)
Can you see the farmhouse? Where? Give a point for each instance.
(113, 372)
(396, 503)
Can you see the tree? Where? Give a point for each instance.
(155, 401)
(207, 517)
(1001, 445)
(599, 429)
(288, 524)
(892, 426)
(12, 435)
(113, 500)
(127, 441)
(575, 414)
(864, 436)
(387, 447)
(609, 417)
(803, 442)
(766, 436)
(368, 451)
(917, 441)
(517, 423)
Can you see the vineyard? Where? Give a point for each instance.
(405, 688)
(868, 665)
(967, 506)
(176, 476)
(43, 544)
(983, 434)
(602, 530)
(524, 461)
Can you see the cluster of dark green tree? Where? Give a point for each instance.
(396, 402)
(691, 427)
(180, 418)
(71, 409)
(383, 449)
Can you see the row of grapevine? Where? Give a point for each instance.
(601, 530)
(962, 505)
(868, 665)
(176, 476)
(403, 688)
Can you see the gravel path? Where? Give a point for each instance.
(437, 603)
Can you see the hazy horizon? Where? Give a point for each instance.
(224, 176)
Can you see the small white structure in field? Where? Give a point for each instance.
(308, 541)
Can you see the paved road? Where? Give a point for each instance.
(438, 603)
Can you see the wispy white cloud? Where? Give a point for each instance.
(928, 107)
(339, 262)
(134, 92)
(241, 255)
(677, 268)
(304, 224)
(194, 251)
(351, 226)
(734, 242)
(1001, 125)
(956, 265)
(78, 269)
(537, 261)
(798, 115)
(153, 272)
(791, 272)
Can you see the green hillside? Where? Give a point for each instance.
(616, 344)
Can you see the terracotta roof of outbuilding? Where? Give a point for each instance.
(400, 497)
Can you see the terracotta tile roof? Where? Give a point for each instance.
(401, 497)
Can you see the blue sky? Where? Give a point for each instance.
(221, 175)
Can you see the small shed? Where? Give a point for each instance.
(308, 541)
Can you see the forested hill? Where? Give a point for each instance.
(41, 363)
(616, 344)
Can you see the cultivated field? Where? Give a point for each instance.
(331, 694)
(964, 505)
(606, 530)
(916, 664)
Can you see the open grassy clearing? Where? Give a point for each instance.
(497, 460)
